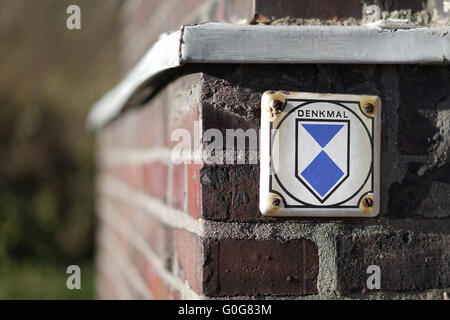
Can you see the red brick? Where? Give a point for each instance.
(159, 288)
(152, 123)
(178, 186)
(140, 262)
(189, 251)
(194, 197)
(268, 267)
(232, 267)
(155, 234)
(155, 180)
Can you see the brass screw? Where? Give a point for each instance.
(369, 108)
(276, 202)
(368, 202)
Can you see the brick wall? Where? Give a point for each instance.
(193, 230)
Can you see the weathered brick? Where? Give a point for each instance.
(222, 120)
(389, 5)
(268, 267)
(230, 192)
(231, 267)
(322, 9)
(216, 192)
(407, 261)
(421, 89)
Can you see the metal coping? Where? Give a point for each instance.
(249, 44)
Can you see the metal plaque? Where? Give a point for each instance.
(320, 155)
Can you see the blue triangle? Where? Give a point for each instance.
(323, 133)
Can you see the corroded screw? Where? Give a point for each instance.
(368, 202)
(369, 108)
(276, 202)
(277, 107)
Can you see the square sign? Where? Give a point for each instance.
(320, 155)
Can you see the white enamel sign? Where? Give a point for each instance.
(320, 155)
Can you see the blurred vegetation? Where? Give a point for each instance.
(49, 78)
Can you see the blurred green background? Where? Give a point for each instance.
(49, 78)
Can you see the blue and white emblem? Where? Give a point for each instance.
(322, 149)
(320, 154)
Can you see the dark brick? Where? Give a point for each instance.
(391, 5)
(407, 261)
(231, 267)
(413, 197)
(245, 196)
(231, 192)
(267, 267)
(216, 192)
(421, 89)
(324, 9)
(220, 119)
(411, 121)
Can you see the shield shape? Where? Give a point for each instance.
(322, 155)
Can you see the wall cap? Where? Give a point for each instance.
(211, 43)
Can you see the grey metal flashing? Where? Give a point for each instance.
(163, 56)
(219, 43)
(247, 44)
